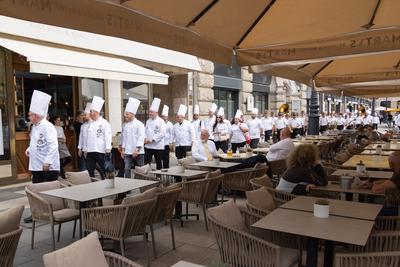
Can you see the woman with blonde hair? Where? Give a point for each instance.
(303, 171)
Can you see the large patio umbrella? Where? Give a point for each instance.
(367, 91)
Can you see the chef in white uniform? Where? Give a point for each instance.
(183, 133)
(323, 123)
(83, 135)
(44, 162)
(256, 128)
(155, 135)
(375, 121)
(210, 121)
(204, 149)
(133, 141)
(197, 123)
(98, 145)
(238, 130)
(279, 125)
(268, 125)
(168, 139)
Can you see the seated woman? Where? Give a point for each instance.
(303, 171)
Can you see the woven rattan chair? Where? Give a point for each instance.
(260, 169)
(256, 210)
(163, 211)
(278, 167)
(377, 259)
(118, 222)
(8, 247)
(44, 210)
(238, 181)
(387, 223)
(379, 241)
(261, 181)
(280, 197)
(116, 260)
(392, 198)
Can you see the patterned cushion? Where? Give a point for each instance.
(57, 203)
(261, 199)
(143, 169)
(229, 215)
(148, 194)
(186, 161)
(9, 219)
(78, 177)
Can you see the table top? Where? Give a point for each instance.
(213, 165)
(304, 223)
(373, 152)
(96, 190)
(262, 150)
(387, 146)
(335, 187)
(175, 171)
(241, 156)
(369, 174)
(370, 161)
(186, 264)
(341, 208)
(319, 137)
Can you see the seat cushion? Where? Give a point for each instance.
(228, 214)
(66, 215)
(57, 203)
(10, 219)
(186, 161)
(289, 256)
(78, 177)
(143, 169)
(82, 253)
(261, 199)
(148, 194)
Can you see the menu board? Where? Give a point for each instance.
(1, 136)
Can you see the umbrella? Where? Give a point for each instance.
(393, 110)
(380, 108)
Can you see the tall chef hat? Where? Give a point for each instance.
(88, 107)
(97, 103)
(213, 108)
(40, 103)
(255, 111)
(196, 110)
(182, 110)
(165, 111)
(221, 112)
(132, 105)
(155, 105)
(238, 114)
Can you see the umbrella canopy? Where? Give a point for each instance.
(366, 91)
(380, 108)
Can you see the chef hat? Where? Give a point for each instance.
(213, 108)
(221, 112)
(255, 111)
(165, 111)
(132, 105)
(40, 103)
(182, 110)
(97, 104)
(196, 110)
(155, 105)
(87, 108)
(238, 114)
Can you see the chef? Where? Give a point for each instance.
(83, 136)
(210, 121)
(155, 135)
(183, 133)
(197, 123)
(168, 140)
(133, 141)
(98, 145)
(269, 125)
(256, 128)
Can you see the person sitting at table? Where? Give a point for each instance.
(304, 171)
(204, 149)
(281, 149)
(362, 138)
(381, 186)
(372, 134)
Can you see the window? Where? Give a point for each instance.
(89, 89)
(260, 101)
(229, 71)
(139, 91)
(228, 99)
(4, 125)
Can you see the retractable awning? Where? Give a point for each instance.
(54, 60)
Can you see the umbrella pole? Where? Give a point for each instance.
(313, 113)
(373, 106)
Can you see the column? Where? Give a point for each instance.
(114, 100)
(313, 116)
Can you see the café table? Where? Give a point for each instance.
(370, 162)
(261, 150)
(387, 146)
(84, 193)
(353, 192)
(351, 225)
(373, 152)
(211, 164)
(368, 174)
(320, 137)
(235, 156)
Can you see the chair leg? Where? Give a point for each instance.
(33, 233)
(187, 211)
(153, 241)
(53, 237)
(58, 234)
(234, 196)
(205, 217)
(172, 234)
(73, 231)
(146, 248)
(121, 244)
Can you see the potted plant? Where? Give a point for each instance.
(321, 208)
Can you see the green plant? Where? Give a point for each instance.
(323, 202)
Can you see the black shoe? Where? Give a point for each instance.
(28, 219)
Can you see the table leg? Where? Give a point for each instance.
(312, 252)
(328, 253)
(82, 205)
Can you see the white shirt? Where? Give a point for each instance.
(155, 131)
(98, 136)
(304, 120)
(83, 136)
(376, 120)
(397, 120)
(358, 120)
(237, 135)
(209, 124)
(198, 126)
(280, 123)
(169, 133)
(280, 150)
(294, 123)
(43, 147)
(323, 121)
(198, 150)
(368, 119)
(268, 123)
(340, 121)
(221, 131)
(60, 132)
(183, 133)
(133, 133)
(255, 128)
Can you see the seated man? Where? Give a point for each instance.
(281, 149)
(394, 163)
(204, 149)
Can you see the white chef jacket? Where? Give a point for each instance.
(295, 123)
(198, 126)
(183, 133)
(323, 121)
(358, 120)
(155, 130)
(280, 150)
(83, 136)
(209, 124)
(340, 121)
(134, 134)
(221, 130)
(237, 135)
(280, 123)
(43, 147)
(376, 120)
(397, 120)
(98, 136)
(198, 151)
(169, 133)
(255, 128)
(268, 123)
(304, 120)
(368, 119)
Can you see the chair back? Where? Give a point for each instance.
(165, 204)
(378, 259)
(212, 187)
(260, 169)
(214, 173)
(280, 197)
(392, 198)
(148, 177)
(239, 180)
(8, 247)
(137, 217)
(193, 191)
(278, 167)
(261, 181)
(387, 223)
(380, 241)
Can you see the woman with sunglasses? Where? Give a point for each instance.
(221, 131)
(238, 131)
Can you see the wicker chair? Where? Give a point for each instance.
(377, 259)
(260, 169)
(238, 181)
(259, 182)
(387, 223)
(392, 198)
(278, 167)
(49, 209)
(116, 260)
(8, 247)
(119, 222)
(280, 197)
(148, 177)
(163, 211)
(379, 241)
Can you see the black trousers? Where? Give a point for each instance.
(295, 132)
(278, 134)
(375, 125)
(268, 134)
(235, 146)
(323, 128)
(254, 142)
(42, 176)
(180, 151)
(93, 159)
(340, 127)
(165, 157)
(221, 145)
(158, 155)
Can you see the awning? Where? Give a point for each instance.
(48, 59)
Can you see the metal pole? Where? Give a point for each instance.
(373, 106)
(313, 115)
